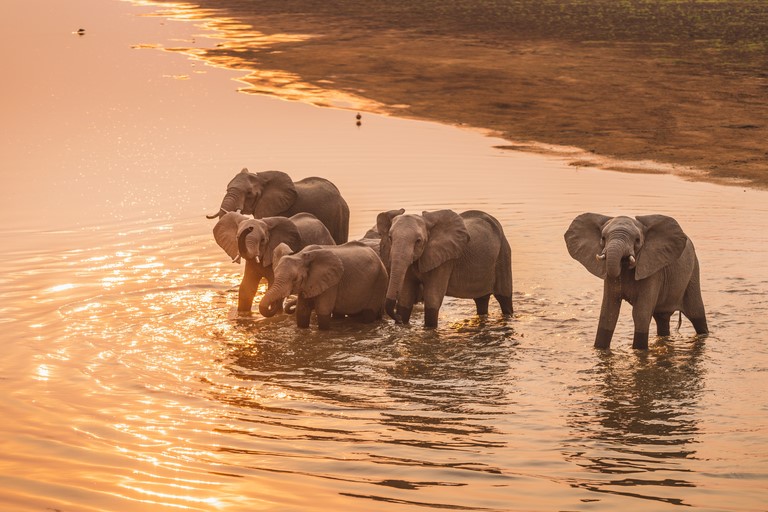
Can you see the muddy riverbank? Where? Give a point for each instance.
(635, 81)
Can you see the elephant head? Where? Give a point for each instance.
(425, 241)
(308, 273)
(254, 239)
(264, 194)
(604, 244)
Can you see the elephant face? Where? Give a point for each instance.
(425, 241)
(252, 239)
(605, 245)
(264, 194)
(255, 239)
(309, 273)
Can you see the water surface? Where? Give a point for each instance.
(130, 383)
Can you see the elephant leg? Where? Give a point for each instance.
(641, 314)
(662, 323)
(609, 313)
(481, 303)
(404, 313)
(324, 304)
(303, 312)
(505, 303)
(700, 324)
(435, 286)
(323, 322)
(430, 317)
(693, 305)
(407, 299)
(249, 285)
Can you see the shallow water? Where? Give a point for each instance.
(129, 382)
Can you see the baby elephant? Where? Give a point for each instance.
(254, 240)
(647, 261)
(347, 279)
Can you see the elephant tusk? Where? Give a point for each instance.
(257, 259)
(600, 257)
(218, 214)
(632, 260)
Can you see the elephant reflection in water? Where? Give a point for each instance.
(633, 418)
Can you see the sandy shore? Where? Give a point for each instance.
(676, 87)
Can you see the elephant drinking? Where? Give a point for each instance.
(254, 240)
(342, 280)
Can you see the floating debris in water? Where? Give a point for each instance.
(80, 32)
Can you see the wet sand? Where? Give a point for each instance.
(637, 82)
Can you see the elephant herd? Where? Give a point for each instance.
(295, 235)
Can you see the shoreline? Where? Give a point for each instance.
(623, 103)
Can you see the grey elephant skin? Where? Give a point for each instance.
(647, 261)
(274, 193)
(443, 253)
(343, 280)
(254, 240)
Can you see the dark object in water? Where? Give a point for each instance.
(81, 31)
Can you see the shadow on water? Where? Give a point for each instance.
(635, 425)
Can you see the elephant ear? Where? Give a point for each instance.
(448, 237)
(583, 241)
(324, 270)
(225, 233)
(278, 193)
(664, 243)
(282, 230)
(383, 224)
(280, 251)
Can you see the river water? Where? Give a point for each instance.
(128, 381)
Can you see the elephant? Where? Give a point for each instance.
(443, 253)
(348, 279)
(647, 261)
(273, 193)
(254, 240)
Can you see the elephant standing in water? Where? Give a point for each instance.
(647, 261)
(443, 253)
(254, 240)
(273, 194)
(347, 279)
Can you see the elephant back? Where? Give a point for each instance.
(322, 199)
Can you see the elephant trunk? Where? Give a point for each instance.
(271, 303)
(399, 267)
(231, 202)
(614, 253)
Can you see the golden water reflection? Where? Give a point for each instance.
(237, 46)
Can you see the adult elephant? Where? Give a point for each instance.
(342, 280)
(647, 261)
(255, 240)
(443, 253)
(274, 193)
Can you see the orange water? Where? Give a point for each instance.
(128, 382)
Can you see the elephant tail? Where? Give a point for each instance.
(679, 320)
